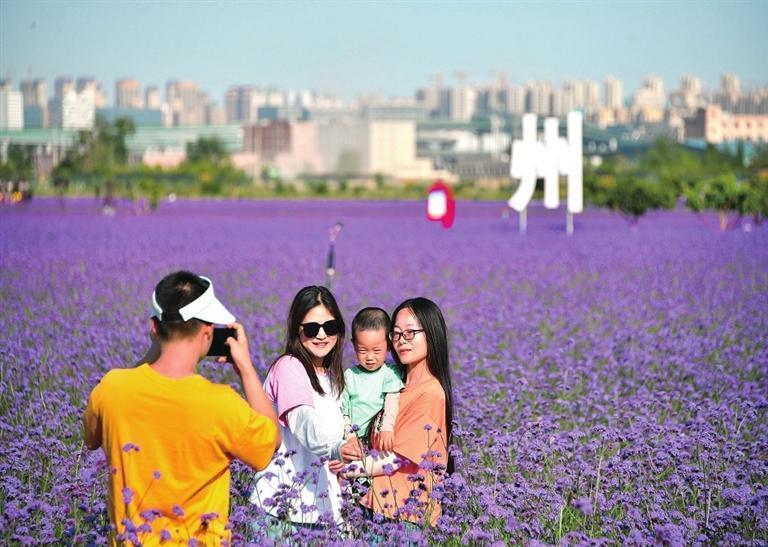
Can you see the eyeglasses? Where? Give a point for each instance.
(331, 328)
(408, 334)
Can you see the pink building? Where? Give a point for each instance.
(289, 146)
(715, 126)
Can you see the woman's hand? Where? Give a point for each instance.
(352, 450)
(386, 441)
(336, 466)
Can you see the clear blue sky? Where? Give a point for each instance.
(386, 48)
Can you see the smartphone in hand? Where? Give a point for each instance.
(218, 346)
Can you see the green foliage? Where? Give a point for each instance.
(633, 196)
(318, 187)
(207, 150)
(18, 163)
(100, 151)
(721, 193)
(672, 164)
(756, 199)
(760, 159)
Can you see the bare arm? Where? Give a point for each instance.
(369, 467)
(391, 407)
(254, 391)
(91, 426)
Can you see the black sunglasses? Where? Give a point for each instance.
(331, 328)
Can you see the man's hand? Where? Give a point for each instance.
(241, 362)
(352, 450)
(238, 348)
(386, 441)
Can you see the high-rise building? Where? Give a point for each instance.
(11, 109)
(33, 92)
(73, 110)
(35, 103)
(91, 85)
(461, 103)
(128, 94)
(688, 98)
(186, 103)
(648, 102)
(62, 85)
(614, 93)
(242, 103)
(591, 96)
(515, 99)
(538, 98)
(730, 84)
(152, 98)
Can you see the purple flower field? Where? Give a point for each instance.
(609, 386)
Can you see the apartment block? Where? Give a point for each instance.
(11, 109)
(715, 126)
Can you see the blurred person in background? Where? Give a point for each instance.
(169, 434)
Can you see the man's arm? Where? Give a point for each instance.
(92, 424)
(254, 391)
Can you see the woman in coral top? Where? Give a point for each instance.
(403, 481)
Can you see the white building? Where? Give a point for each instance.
(152, 98)
(614, 93)
(462, 101)
(11, 109)
(73, 110)
(368, 147)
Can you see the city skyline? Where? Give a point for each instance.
(369, 48)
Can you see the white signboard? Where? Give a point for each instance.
(555, 156)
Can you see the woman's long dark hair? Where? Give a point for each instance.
(431, 319)
(306, 299)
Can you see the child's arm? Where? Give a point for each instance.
(347, 427)
(345, 411)
(388, 418)
(391, 408)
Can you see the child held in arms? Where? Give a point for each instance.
(372, 384)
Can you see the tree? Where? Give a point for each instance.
(18, 163)
(633, 197)
(99, 151)
(722, 193)
(756, 199)
(207, 150)
(671, 164)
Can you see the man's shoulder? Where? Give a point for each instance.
(118, 376)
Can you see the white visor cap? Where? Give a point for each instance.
(206, 308)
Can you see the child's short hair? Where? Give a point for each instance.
(370, 319)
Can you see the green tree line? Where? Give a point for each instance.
(666, 175)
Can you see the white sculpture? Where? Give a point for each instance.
(549, 159)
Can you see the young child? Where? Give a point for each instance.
(372, 384)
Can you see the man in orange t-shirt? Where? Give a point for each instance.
(169, 434)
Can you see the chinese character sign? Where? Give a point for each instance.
(555, 156)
